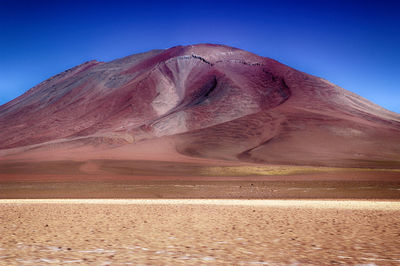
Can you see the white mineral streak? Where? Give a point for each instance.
(171, 91)
(167, 96)
(170, 125)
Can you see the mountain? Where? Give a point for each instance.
(198, 101)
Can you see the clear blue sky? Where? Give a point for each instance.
(354, 44)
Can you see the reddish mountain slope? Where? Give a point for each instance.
(209, 101)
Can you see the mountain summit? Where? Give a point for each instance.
(208, 101)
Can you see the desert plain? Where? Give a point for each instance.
(199, 232)
(241, 215)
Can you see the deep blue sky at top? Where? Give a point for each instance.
(354, 44)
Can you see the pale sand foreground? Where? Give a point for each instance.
(120, 232)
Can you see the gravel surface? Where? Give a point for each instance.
(159, 232)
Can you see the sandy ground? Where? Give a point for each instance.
(159, 232)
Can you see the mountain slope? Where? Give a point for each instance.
(209, 101)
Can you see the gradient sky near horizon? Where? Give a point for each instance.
(354, 44)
